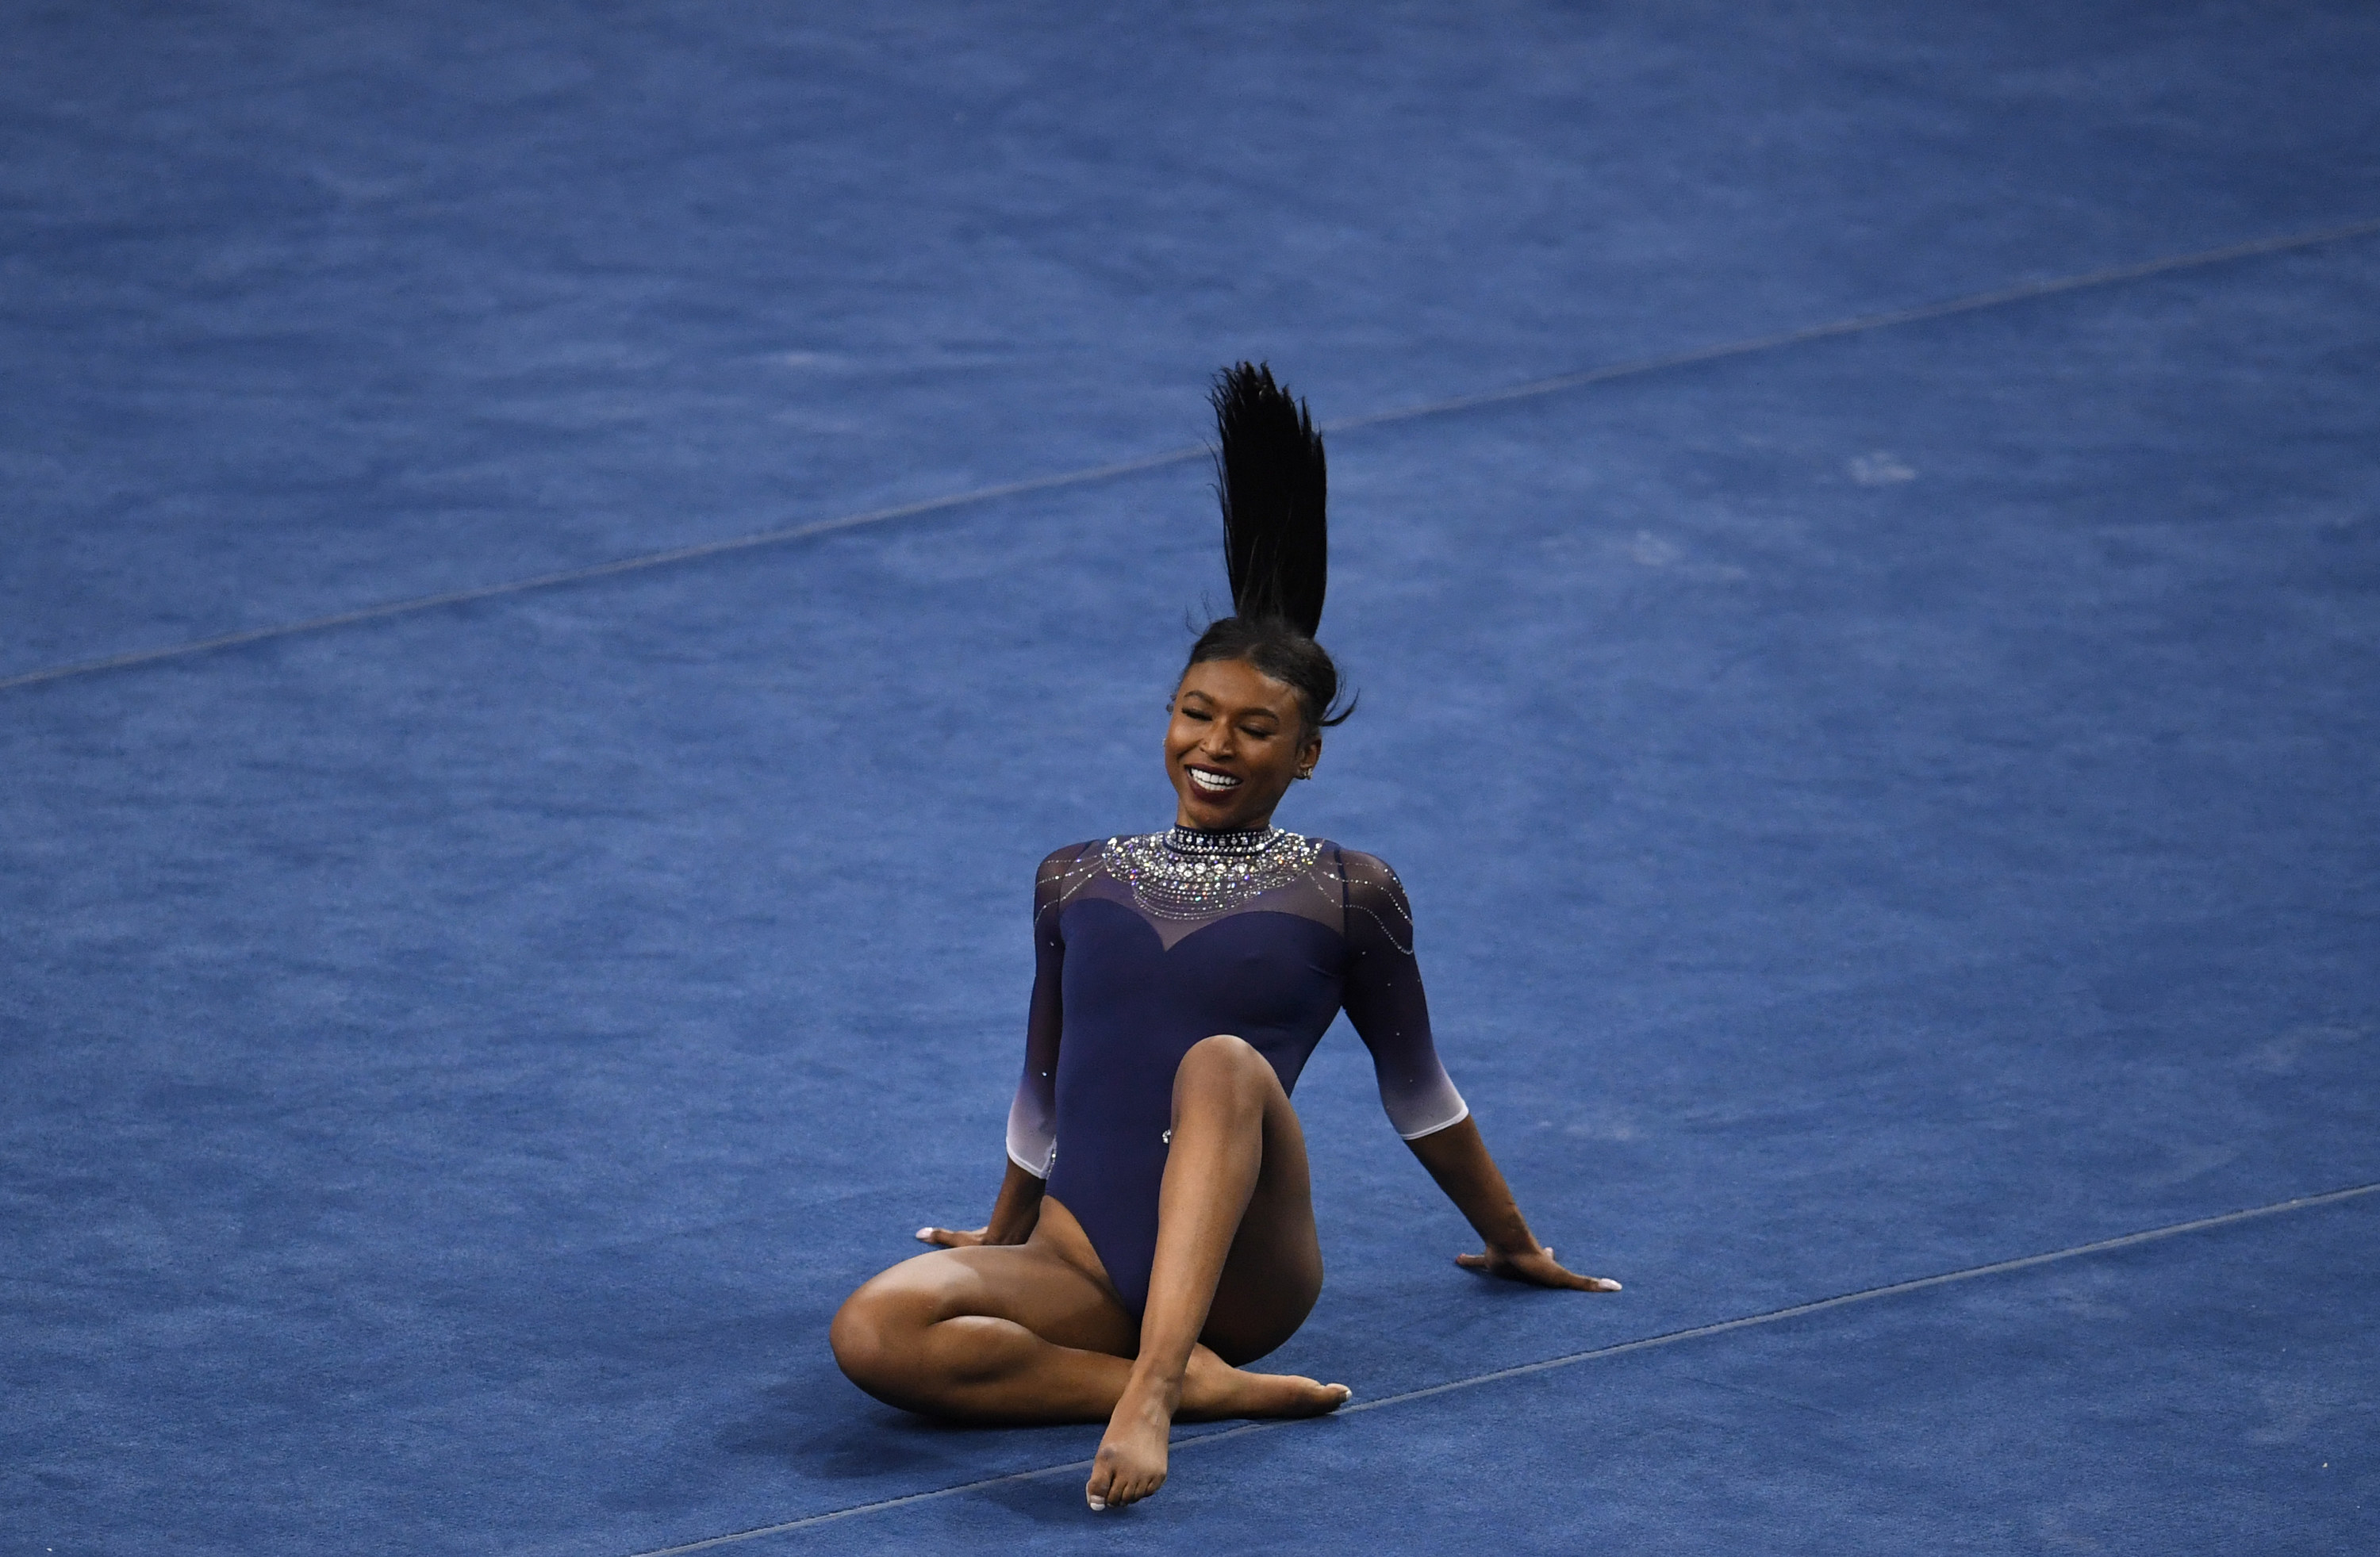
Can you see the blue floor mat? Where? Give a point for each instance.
(2213, 1390)
(1875, 808)
(307, 308)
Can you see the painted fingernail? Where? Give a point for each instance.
(1099, 1505)
(925, 1235)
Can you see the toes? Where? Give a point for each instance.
(1113, 1484)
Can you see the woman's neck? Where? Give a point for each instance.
(1186, 839)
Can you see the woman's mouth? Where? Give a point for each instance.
(1205, 780)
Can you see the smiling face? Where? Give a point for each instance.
(1238, 738)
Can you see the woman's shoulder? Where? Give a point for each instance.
(1062, 873)
(1357, 867)
(1062, 869)
(1378, 913)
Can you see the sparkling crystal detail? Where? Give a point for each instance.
(1185, 874)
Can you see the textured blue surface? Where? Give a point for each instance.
(1873, 808)
(2218, 1387)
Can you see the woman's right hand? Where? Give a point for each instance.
(1012, 1215)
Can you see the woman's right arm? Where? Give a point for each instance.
(1033, 1115)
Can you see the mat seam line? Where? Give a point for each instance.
(1700, 1332)
(643, 561)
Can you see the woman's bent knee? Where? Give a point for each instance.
(861, 1348)
(877, 1333)
(1225, 1060)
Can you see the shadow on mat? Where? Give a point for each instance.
(800, 1425)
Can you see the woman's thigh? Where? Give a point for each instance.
(1051, 1285)
(1274, 1275)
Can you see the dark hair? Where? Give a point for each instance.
(1271, 479)
(1286, 655)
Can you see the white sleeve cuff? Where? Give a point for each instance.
(1461, 1112)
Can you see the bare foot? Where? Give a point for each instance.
(1213, 1389)
(1131, 1458)
(1131, 1461)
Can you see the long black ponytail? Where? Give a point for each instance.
(1270, 475)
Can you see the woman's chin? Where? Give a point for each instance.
(1214, 814)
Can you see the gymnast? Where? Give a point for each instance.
(1155, 1231)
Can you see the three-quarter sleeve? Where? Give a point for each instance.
(1386, 1005)
(1033, 1116)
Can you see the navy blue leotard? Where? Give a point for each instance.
(1146, 945)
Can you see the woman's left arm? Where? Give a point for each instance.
(1458, 1159)
(1390, 1013)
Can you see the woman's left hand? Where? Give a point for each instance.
(1536, 1266)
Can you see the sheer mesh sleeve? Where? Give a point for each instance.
(1033, 1116)
(1385, 1002)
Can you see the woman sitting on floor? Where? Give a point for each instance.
(1155, 1231)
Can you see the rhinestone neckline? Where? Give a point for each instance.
(1195, 840)
(1186, 873)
